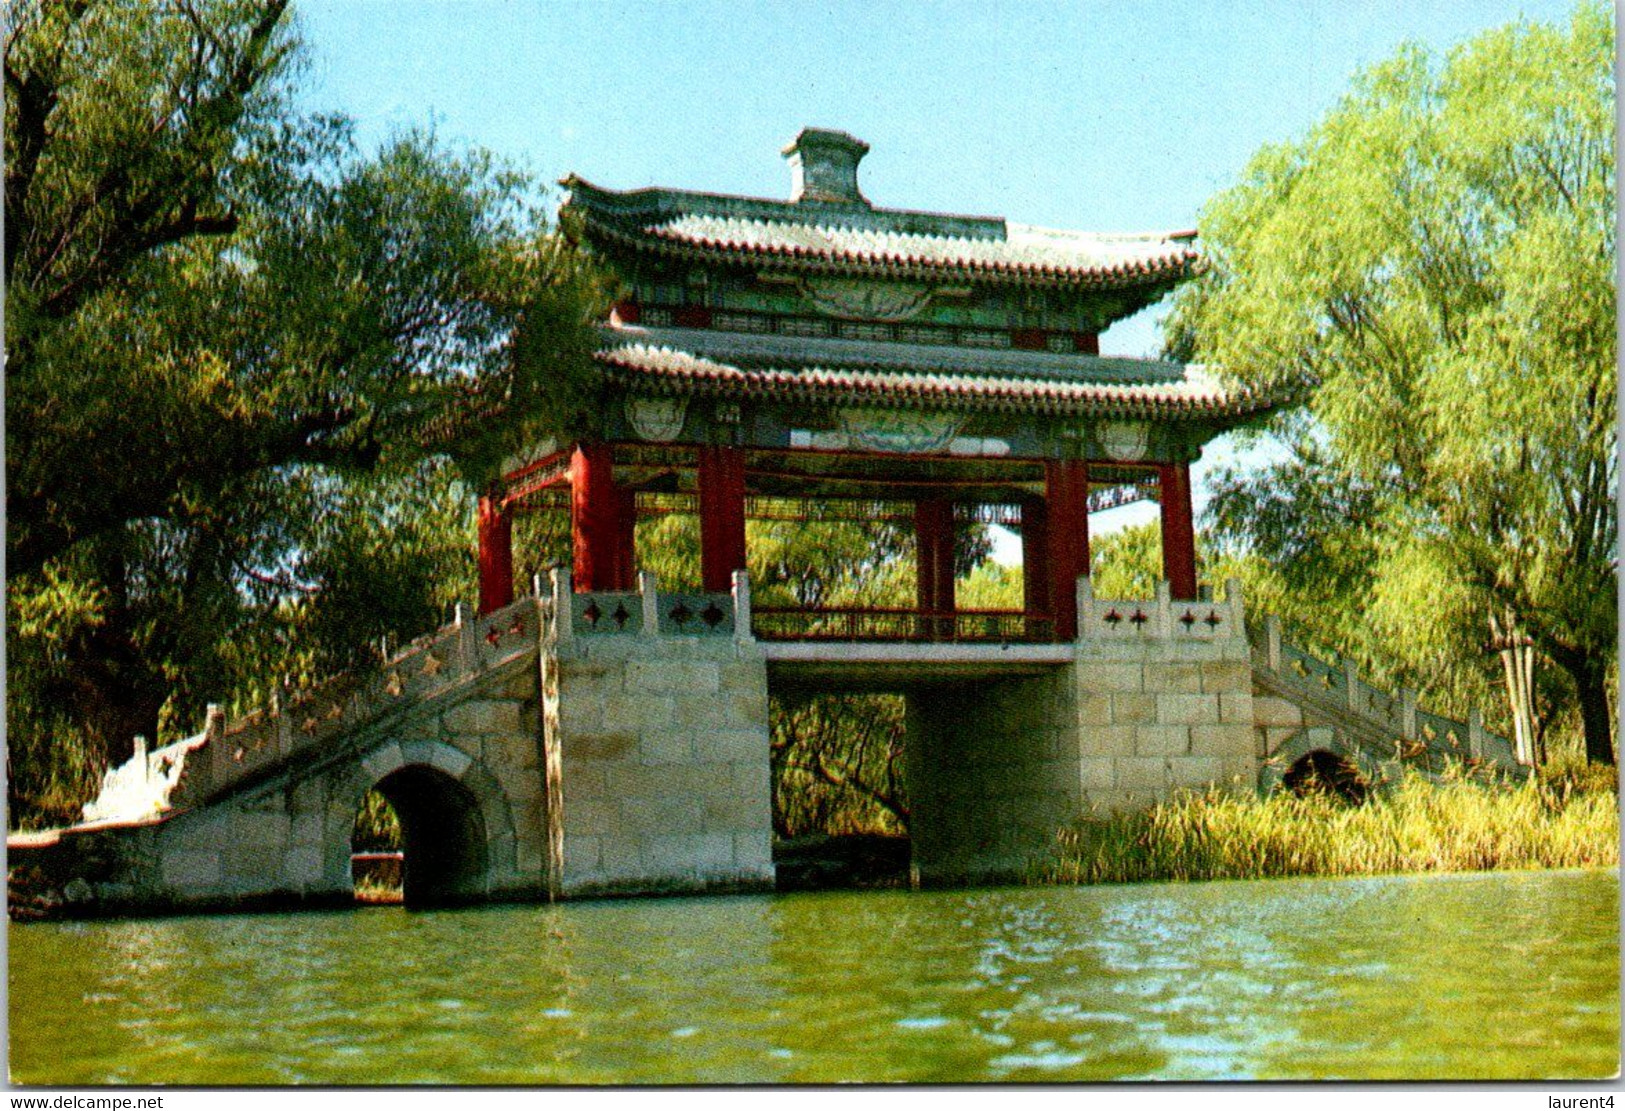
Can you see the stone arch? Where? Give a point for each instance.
(1303, 745)
(1323, 772)
(456, 821)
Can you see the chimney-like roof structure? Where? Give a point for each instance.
(824, 166)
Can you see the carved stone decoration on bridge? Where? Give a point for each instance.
(658, 420)
(1124, 441)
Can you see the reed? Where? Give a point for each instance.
(377, 891)
(1458, 825)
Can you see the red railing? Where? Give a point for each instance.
(878, 623)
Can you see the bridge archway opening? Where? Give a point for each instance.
(840, 797)
(1326, 774)
(376, 856)
(441, 836)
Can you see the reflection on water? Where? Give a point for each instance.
(1503, 976)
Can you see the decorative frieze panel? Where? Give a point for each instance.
(862, 299)
(900, 430)
(1124, 441)
(657, 420)
(983, 447)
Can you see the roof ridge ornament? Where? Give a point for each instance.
(824, 166)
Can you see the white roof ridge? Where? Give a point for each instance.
(1163, 391)
(1040, 232)
(1046, 246)
(1061, 366)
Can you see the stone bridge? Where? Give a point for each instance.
(617, 743)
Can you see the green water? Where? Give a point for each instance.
(1475, 976)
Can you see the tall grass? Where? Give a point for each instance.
(1418, 826)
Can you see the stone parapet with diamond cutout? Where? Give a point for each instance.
(656, 725)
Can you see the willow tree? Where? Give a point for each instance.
(252, 371)
(1429, 274)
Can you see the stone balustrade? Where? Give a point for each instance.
(301, 721)
(296, 722)
(649, 611)
(1160, 618)
(1414, 731)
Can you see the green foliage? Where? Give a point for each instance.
(1430, 272)
(377, 829)
(831, 563)
(990, 586)
(388, 556)
(1127, 563)
(1459, 826)
(254, 375)
(838, 764)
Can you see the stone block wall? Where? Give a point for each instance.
(1275, 721)
(1164, 698)
(1154, 716)
(658, 747)
(992, 771)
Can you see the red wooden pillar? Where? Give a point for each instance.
(925, 558)
(722, 516)
(594, 517)
(1178, 531)
(496, 554)
(934, 560)
(1035, 576)
(1066, 496)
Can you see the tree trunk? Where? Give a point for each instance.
(1518, 667)
(117, 688)
(1520, 733)
(112, 719)
(1590, 675)
(1592, 686)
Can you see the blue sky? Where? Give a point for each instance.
(1105, 115)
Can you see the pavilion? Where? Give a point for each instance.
(811, 359)
(814, 358)
(822, 355)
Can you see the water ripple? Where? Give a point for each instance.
(1277, 980)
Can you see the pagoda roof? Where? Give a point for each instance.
(851, 237)
(915, 376)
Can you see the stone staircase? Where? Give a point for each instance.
(1303, 704)
(313, 725)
